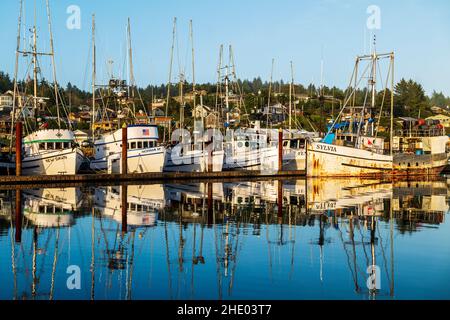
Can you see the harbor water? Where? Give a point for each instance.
(331, 239)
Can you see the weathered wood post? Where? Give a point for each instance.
(124, 208)
(18, 216)
(124, 150)
(280, 149)
(19, 149)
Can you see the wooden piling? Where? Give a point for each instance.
(280, 150)
(18, 149)
(210, 204)
(124, 150)
(280, 200)
(18, 216)
(124, 202)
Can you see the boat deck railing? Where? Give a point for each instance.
(420, 133)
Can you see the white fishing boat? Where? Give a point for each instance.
(51, 152)
(46, 151)
(250, 150)
(143, 152)
(351, 147)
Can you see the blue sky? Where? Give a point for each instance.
(298, 30)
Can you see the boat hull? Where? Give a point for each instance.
(338, 161)
(424, 164)
(193, 161)
(257, 159)
(138, 161)
(294, 160)
(58, 162)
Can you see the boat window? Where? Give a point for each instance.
(41, 209)
(58, 145)
(66, 145)
(285, 143)
(139, 208)
(133, 207)
(294, 144)
(50, 146)
(133, 145)
(145, 144)
(139, 145)
(42, 146)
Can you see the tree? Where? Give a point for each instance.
(409, 98)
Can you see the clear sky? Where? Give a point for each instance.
(303, 31)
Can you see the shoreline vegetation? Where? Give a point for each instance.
(314, 105)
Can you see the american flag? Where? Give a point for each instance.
(146, 132)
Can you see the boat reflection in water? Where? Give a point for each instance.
(52, 208)
(142, 203)
(304, 239)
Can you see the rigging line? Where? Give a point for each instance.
(353, 272)
(384, 94)
(363, 111)
(384, 256)
(348, 99)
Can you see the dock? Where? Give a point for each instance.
(25, 182)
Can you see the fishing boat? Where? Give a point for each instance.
(51, 152)
(202, 153)
(47, 151)
(420, 147)
(144, 154)
(352, 146)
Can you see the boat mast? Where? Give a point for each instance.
(227, 94)
(170, 73)
(373, 81)
(94, 67)
(219, 86)
(193, 64)
(270, 92)
(16, 71)
(392, 105)
(52, 54)
(35, 66)
(130, 59)
(290, 100)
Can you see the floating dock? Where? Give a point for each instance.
(155, 177)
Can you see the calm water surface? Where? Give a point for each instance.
(300, 239)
